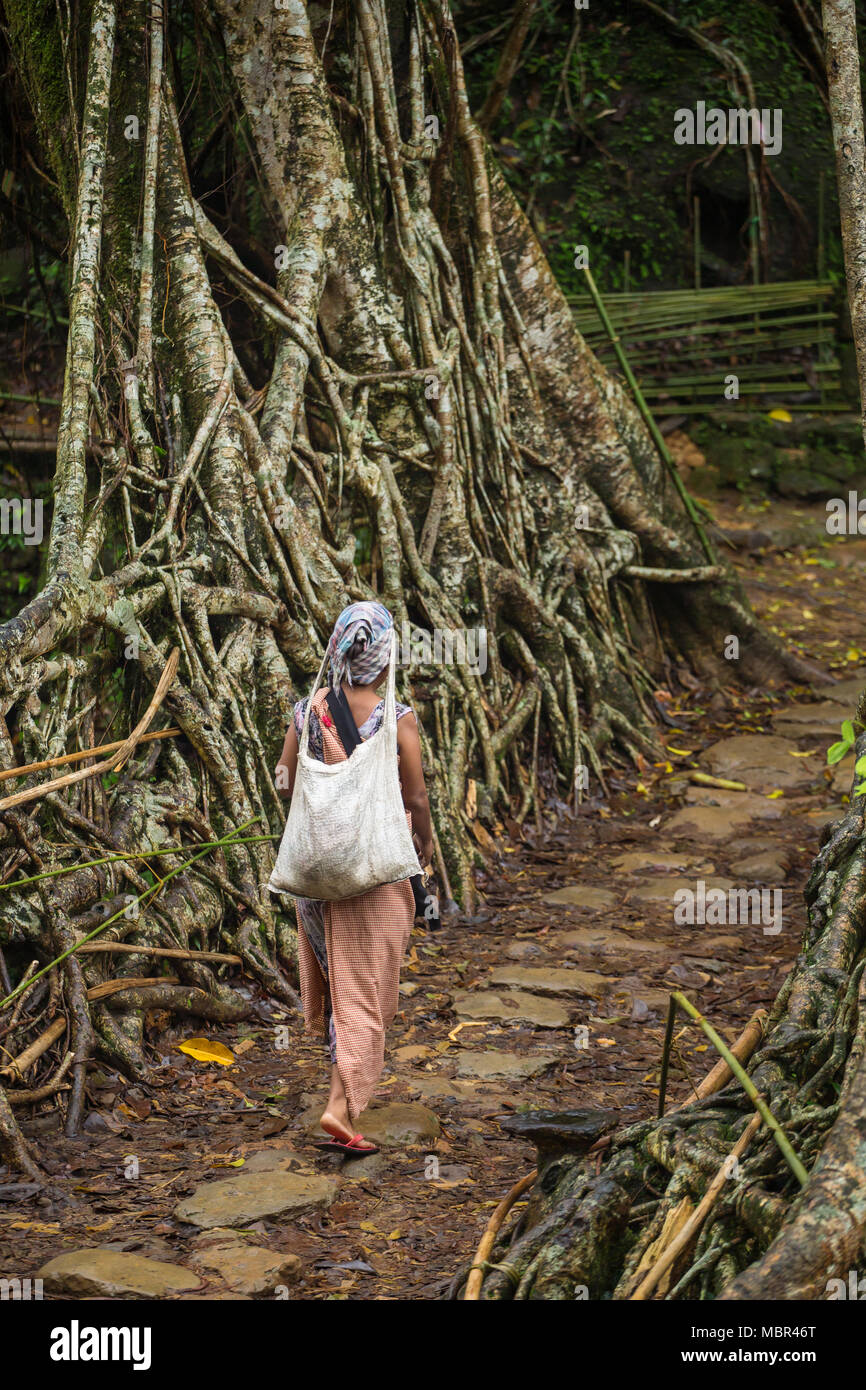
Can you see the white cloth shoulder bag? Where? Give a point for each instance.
(347, 830)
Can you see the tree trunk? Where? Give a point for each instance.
(347, 372)
(846, 113)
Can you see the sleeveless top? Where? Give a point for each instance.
(370, 726)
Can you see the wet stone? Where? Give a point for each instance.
(555, 1133)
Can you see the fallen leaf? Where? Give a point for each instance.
(207, 1050)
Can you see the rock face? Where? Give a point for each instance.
(512, 1007)
(249, 1197)
(100, 1273)
(762, 761)
(578, 984)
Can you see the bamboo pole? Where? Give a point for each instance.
(117, 759)
(688, 1232)
(169, 952)
(83, 753)
(648, 418)
(748, 1086)
(477, 1269)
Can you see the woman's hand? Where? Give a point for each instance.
(424, 850)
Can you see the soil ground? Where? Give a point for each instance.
(400, 1224)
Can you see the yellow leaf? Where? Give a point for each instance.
(369, 1226)
(207, 1050)
(606, 1042)
(680, 752)
(396, 1234)
(774, 796)
(779, 414)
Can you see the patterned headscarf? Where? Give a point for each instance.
(367, 620)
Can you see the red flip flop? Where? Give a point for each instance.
(351, 1147)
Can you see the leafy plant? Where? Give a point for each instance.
(837, 751)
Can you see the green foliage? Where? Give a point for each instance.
(599, 161)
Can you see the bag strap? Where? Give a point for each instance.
(305, 731)
(346, 726)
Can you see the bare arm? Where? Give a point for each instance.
(412, 783)
(288, 764)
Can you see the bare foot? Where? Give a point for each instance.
(338, 1128)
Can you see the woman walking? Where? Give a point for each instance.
(350, 950)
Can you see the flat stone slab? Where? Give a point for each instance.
(513, 1007)
(248, 1197)
(267, 1160)
(764, 867)
(249, 1269)
(762, 761)
(507, 1064)
(583, 896)
(525, 950)
(437, 1088)
(639, 861)
(820, 720)
(709, 822)
(662, 890)
(759, 807)
(607, 941)
(99, 1273)
(578, 984)
(399, 1124)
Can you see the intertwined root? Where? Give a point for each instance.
(419, 384)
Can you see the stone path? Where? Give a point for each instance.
(553, 996)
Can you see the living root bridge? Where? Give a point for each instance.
(312, 356)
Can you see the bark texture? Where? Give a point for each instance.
(846, 113)
(346, 372)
